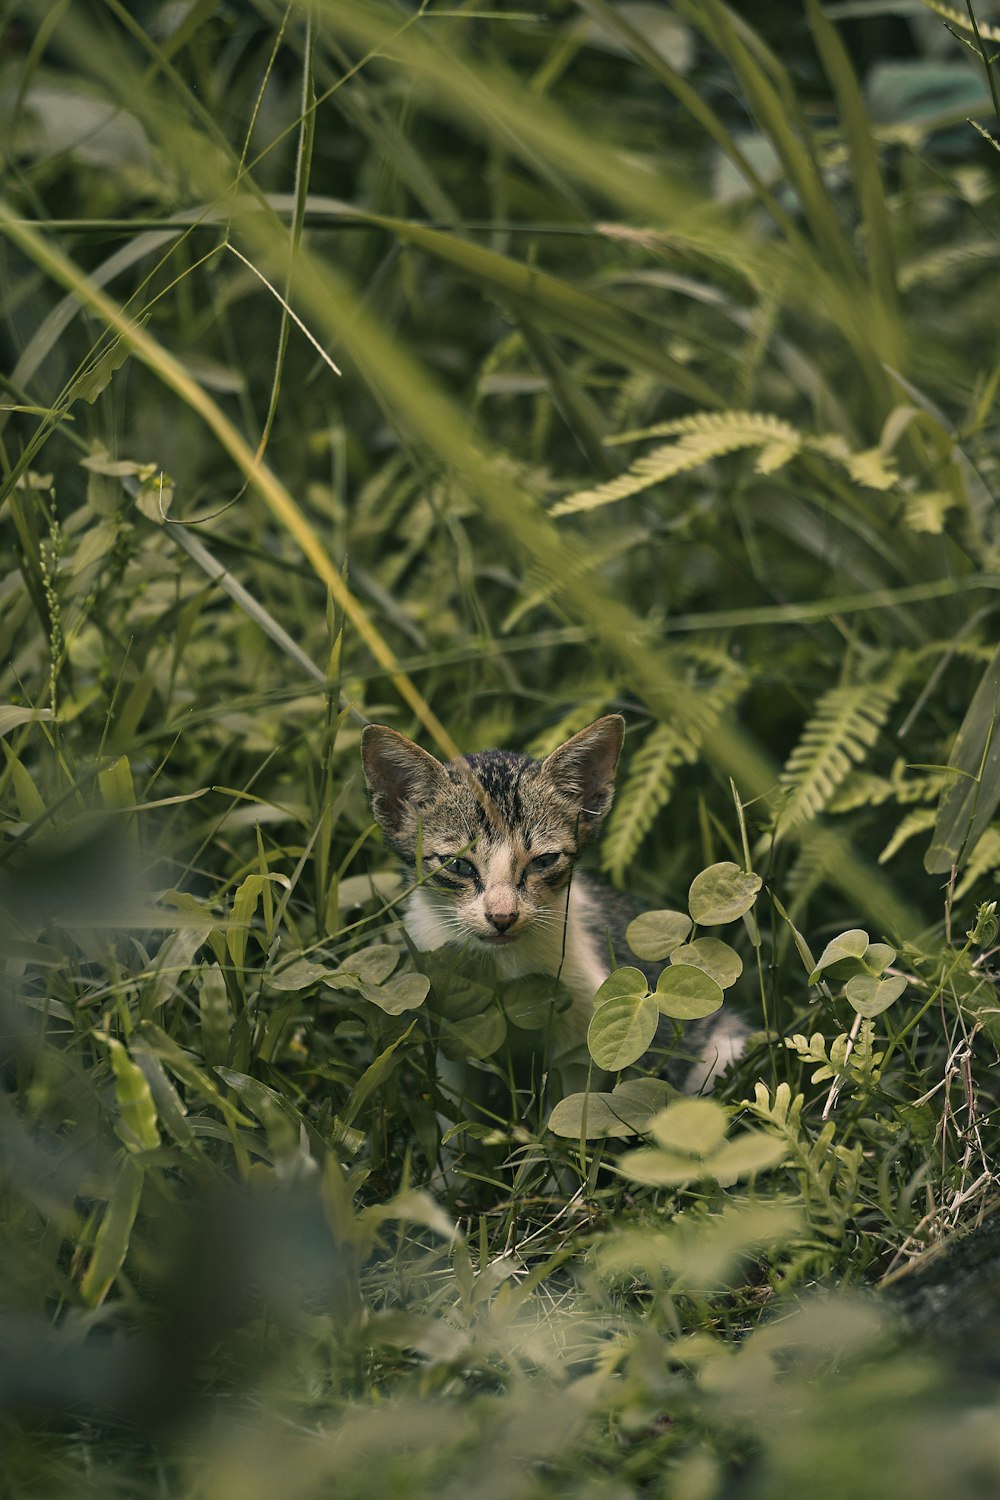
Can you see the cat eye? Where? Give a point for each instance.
(463, 868)
(544, 861)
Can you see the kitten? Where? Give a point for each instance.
(496, 837)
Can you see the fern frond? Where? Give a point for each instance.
(650, 781)
(844, 728)
(763, 425)
(927, 512)
(702, 437)
(984, 859)
(915, 822)
(966, 256)
(960, 19)
(583, 712)
(871, 469)
(646, 790)
(861, 789)
(813, 862)
(707, 435)
(775, 456)
(926, 787)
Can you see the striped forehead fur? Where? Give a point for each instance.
(508, 797)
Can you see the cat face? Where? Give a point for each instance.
(496, 834)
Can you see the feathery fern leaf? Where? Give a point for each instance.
(915, 822)
(927, 512)
(647, 789)
(707, 435)
(984, 859)
(871, 469)
(843, 729)
(701, 437)
(861, 789)
(650, 779)
(959, 18)
(583, 712)
(763, 427)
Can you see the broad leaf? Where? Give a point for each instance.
(622, 1030)
(373, 964)
(842, 956)
(590, 1116)
(621, 983)
(655, 934)
(718, 960)
(686, 993)
(474, 1037)
(970, 802)
(531, 1002)
(722, 893)
(402, 992)
(751, 1152)
(870, 996)
(692, 1126)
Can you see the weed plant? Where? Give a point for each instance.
(482, 371)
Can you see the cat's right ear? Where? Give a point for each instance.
(401, 777)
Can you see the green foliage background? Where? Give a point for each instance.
(480, 372)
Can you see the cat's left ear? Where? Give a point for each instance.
(583, 769)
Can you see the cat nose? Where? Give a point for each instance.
(501, 920)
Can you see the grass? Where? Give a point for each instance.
(371, 363)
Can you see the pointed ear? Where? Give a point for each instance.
(401, 777)
(583, 770)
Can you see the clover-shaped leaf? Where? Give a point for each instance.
(622, 1030)
(692, 1146)
(722, 893)
(655, 934)
(842, 956)
(534, 1000)
(626, 1111)
(687, 993)
(474, 1037)
(620, 984)
(373, 964)
(299, 975)
(404, 992)
(870, 996)
(692, 1126)
(877, 957)
(719, 961)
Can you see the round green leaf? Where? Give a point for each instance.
(842, 955)
(693, 1127)
(870, 996)
(590, 1116)
(722, 893)
(878, 956)
(638, 1100)
(686, 993)
(373, 964)
(298, 975)
(753, 1151)
(474, 1037)
(457, 993)
(532, 1001)
(719, 961)
(656, 934)
(404, 992)
(621, 1031)
(660, 1168)
(621, 983)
